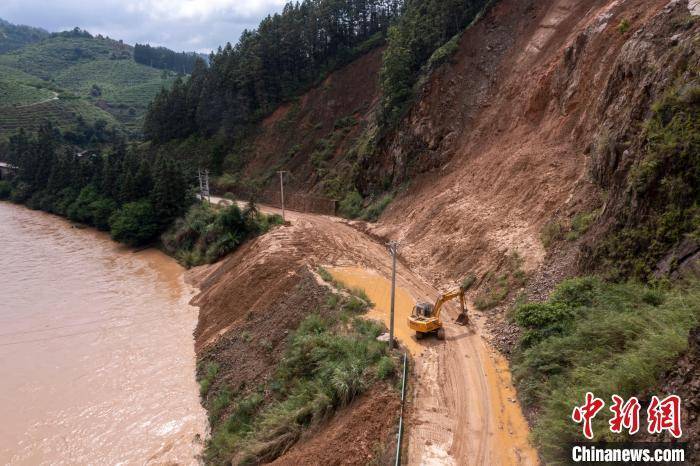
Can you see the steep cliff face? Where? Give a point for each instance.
(527, 123)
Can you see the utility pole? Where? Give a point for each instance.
(393, 247)
(281, 173)
(204, 185)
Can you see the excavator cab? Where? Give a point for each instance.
(423, 309)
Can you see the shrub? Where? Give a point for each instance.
(220, 403)
(351, 205)
(599, 337)
(325, 275)
(207, 234)
(552, 232)
(664, 189)
(134, 224)
(445, 53)
(375, 209)
(5, 189)
(624, 26)
(20, 193)
(210, 374)
(386, 367)
(580, 225)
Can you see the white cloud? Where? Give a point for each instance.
(178, 24)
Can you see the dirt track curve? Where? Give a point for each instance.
(463, 408)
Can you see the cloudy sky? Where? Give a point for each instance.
(190, 25)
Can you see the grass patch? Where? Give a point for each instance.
(326, 365)
(552, 232)
(499, 287)
(210, 374)
(624, 26)
(599, 337)
(580, 224)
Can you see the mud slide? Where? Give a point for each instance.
(463, 407)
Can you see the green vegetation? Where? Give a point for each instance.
(427, 32)
(599, 337)
(163, 58)
(64, 113)
(209, 376)
(125, 191)
(445, 53)
(14, 36)
(284, 56)
(664, 189)
(15, 94)
(206, 233)
(122, 84)
(134, 223)
(46, 59)
(580, 224)
(624, 26)
(326, 365)
(498, 288)
(95, 78)
(352, 206)
(5, 190)
(557, 230)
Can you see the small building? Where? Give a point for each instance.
(6, 170)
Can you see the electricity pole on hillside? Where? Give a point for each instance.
(281, 173)
(393, 247)
(204, 185)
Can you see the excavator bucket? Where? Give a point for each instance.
(462, 319)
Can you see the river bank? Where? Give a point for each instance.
(96, 348)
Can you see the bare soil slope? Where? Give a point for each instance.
(509, 131)
(313, 136)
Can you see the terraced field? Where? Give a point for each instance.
(96, 78)
(63, 113)
(14, 94)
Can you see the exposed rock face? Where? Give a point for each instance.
(540, 110)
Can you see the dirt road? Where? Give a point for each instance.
(463, 409)
(49, 99)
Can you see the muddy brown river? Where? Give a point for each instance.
(96, 351)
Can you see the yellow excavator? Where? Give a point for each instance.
(425, 319)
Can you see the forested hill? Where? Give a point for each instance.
(14, 36)
(287, 53)
(164, 58)
(292, 50)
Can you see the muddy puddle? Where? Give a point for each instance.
(378, 290)
(96, 351)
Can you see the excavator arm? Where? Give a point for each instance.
(462, 318)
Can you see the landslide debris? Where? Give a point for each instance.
(279, 372)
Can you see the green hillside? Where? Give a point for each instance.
(63, 112)
(125, 86)
(49, 57)
(14, 37)
(93, 77)
(13, 93)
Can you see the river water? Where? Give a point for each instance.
(96, 350)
